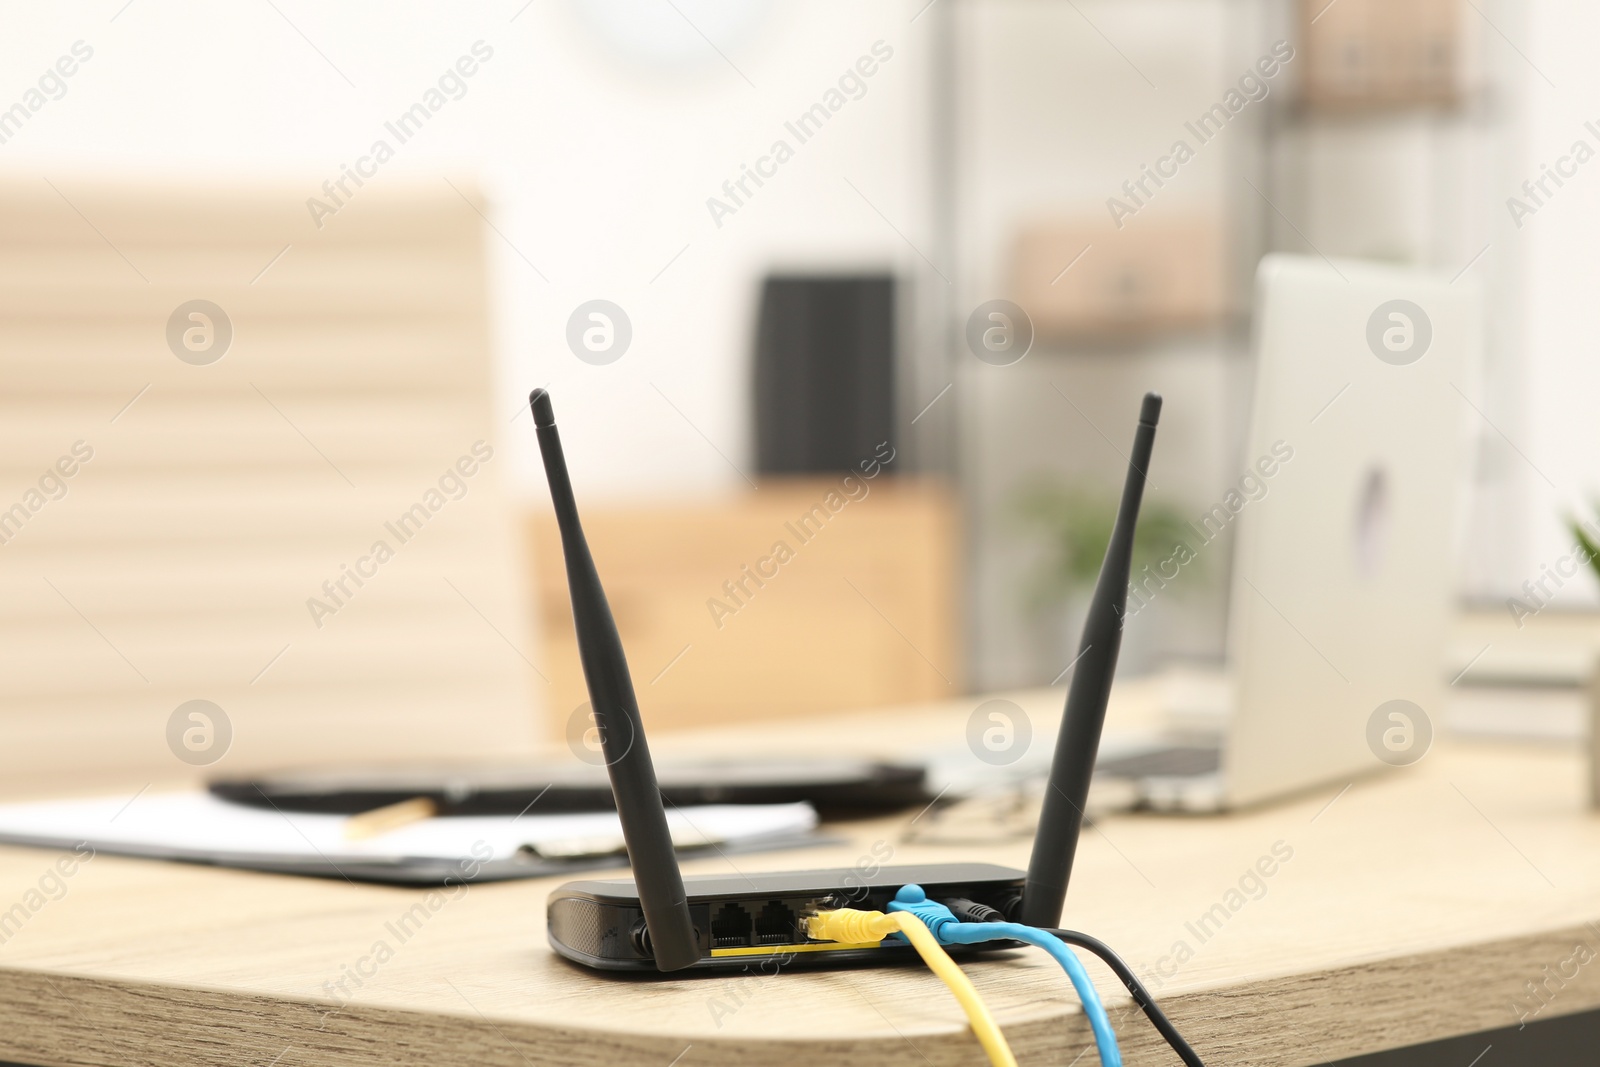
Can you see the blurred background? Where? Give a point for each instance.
(279, 276)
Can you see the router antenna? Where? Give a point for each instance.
(673, 942)
(1055, 843)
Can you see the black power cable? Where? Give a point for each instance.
(1141, 995)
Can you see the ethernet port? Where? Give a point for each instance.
(775, 925)
(730, 927)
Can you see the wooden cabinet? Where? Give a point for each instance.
(767, 604)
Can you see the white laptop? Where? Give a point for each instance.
(1343, 573)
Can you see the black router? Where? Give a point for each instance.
(660, 921)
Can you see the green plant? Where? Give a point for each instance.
(1075, 522)
(1587, 542)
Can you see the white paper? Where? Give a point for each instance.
(198, 825)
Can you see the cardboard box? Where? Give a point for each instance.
(1377, 53)
(1153, 277)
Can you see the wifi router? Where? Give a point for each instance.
(660, 921)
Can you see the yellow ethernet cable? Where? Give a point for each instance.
(852, 926)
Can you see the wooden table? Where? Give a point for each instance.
(1404, 908)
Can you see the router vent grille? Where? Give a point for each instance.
(590, 928)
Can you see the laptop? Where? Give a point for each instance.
(1345, 524)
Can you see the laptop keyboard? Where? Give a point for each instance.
(1176, 761)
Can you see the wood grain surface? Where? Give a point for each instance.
(1409, 906)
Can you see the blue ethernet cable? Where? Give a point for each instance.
(949, 930)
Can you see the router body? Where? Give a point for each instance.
(658, 921)
(741, 920)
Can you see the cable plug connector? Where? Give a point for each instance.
(862, 927)
(850, 926)
(970, 911)
(934, 915)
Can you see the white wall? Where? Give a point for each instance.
(1559, 250)
(599, 129)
